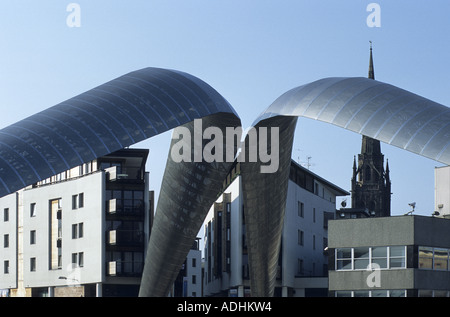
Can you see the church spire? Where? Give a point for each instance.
(371, 186)
(371, 70)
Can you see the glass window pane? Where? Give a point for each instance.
(361, 294)
(343, 294)
(382, 293)
(381, 262)
(397, 293)
(361, 264)
(361, 253)
(425, 258)
(344, 253)
(344, 264)
(379, 252)
(440, 259)
(440, 293)
(397, 263)
(425, 293)
(397, 251)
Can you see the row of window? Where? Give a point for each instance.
(77, 261)
(391, 293)
(393, 257)
(371, 293)
(77, 232)
(77, 202)
(434, 258)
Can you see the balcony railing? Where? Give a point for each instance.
(125, 237)
(133, 207)
(124, 268)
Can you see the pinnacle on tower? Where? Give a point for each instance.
(371, 70)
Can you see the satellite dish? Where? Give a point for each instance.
(344, 203)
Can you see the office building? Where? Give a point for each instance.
(398, 256)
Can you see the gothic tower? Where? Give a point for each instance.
(371, 185)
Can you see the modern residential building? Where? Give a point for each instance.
(302, 269)
(82, 232)
(398, 256)
(189, 280)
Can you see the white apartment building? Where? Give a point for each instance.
(303, 263)
(83, 232)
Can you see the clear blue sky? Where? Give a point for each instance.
(251, 51)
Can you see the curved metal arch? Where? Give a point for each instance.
(365, 106)
(147, 102)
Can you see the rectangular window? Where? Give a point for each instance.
(77, 230)
(6, 267)
(6, 241)
(74, 202)
(32, 264)
(81, 200)
(380, 257)
(78, 259)
(425, 258)
(33, 237)
(299, 266)
(6, 214)
(33, 210)
(74, 231)
(301, 209)
(300, 237)
(361, 258)
(440, 259)
(397, 257)
(80, 230)
(344, 259)
(314, 215)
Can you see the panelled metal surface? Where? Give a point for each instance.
(108, 118)
(375, 109)
(368, 107)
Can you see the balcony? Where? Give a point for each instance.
(125, 237)
(124, 268)
(125, 207)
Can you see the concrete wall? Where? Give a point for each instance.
(381, 231)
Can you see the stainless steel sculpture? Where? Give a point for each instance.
(372, 108)
(150, 101)
(114, 115)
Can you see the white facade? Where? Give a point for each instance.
(232, 278)
(193, 274)
(442, 190)
(81, 233)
